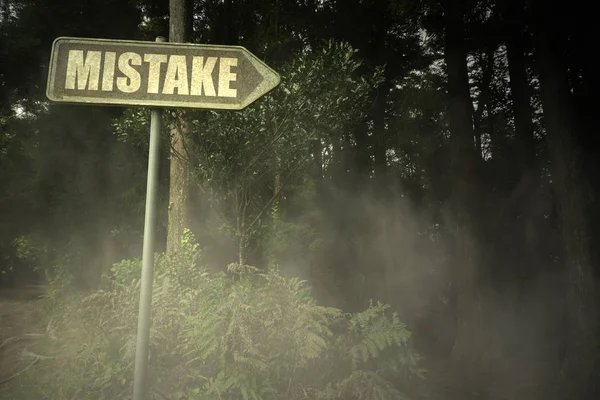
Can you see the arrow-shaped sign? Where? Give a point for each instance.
(119, 72)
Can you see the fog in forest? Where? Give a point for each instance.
(379, 200)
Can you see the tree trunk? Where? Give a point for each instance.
(181, 18)
(362, 152)
(276, 193)
(586, 86)
(242, 246)
(317, 148)
(379, 131)
(483, 102)
(468, 346)
(379, 51)
(337, 168)
(516, 47)
(179, 191)
(569, 184)
(228, 24)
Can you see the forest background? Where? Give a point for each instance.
(437, 156)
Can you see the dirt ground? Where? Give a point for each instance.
(500, 380)
(20, 326)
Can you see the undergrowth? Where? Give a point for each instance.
(239, 334)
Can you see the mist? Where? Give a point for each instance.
(404, 207)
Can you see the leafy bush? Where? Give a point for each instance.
(240, 334)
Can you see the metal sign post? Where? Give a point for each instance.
(154, 74)
(144, 318)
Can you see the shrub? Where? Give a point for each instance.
(240, 334)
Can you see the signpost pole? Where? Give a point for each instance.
(144, 319)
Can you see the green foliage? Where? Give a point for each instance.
(25, 249)
(240, 334)
(126, 271)
(240, 153)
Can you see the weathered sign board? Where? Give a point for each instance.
(123, 72)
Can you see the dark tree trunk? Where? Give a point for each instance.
(228, 24)
(516, 48)
(341, 163)
(180, 30)
(382, 56)
(468, 345)
(181, 19)
(484, 98)
(380, 131)
(317, 149)
(585, 82)
(275, 214)
(518, 44)
(362, 152)
(569, 187)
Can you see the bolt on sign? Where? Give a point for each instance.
(120, 72)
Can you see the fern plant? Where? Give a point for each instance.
(371, 351)
(239, 334)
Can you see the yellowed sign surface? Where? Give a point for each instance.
(100, 71)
